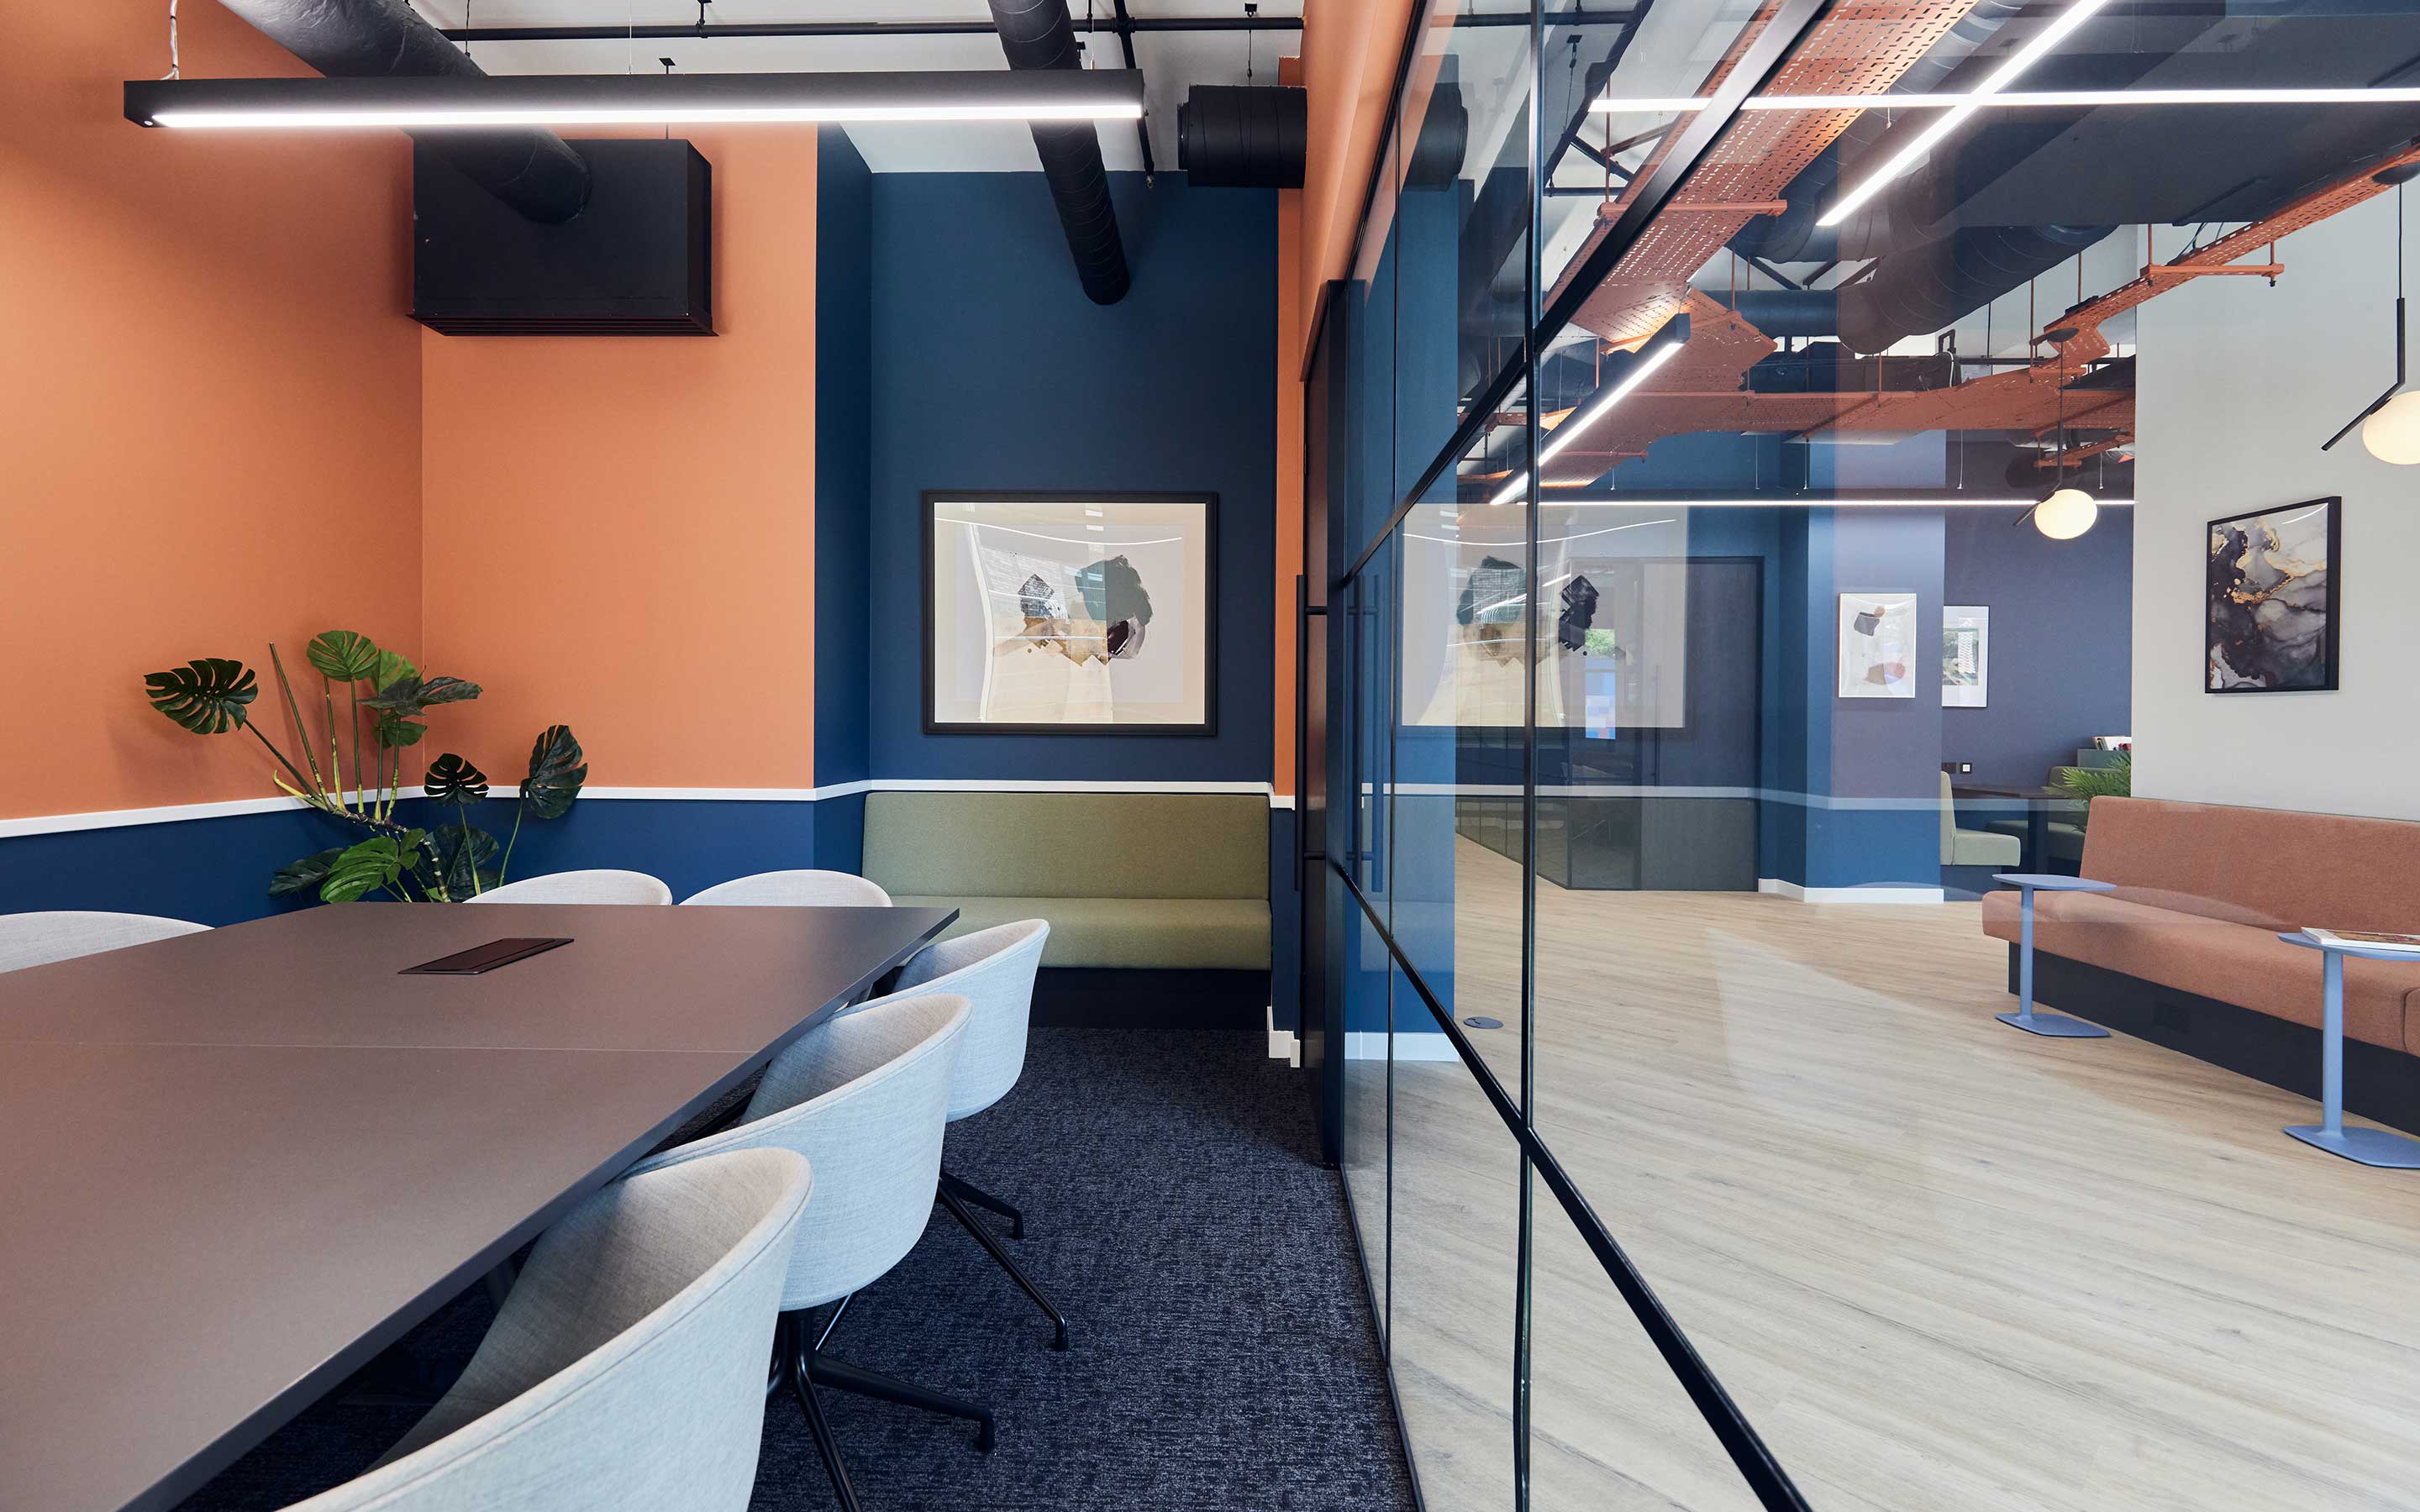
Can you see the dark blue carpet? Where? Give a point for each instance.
(1223, 1354)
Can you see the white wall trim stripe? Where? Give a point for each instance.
(173, 814)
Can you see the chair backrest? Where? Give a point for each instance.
(993, 970)
(1949, 820)
(1068, 844)
(625, 1370)
(38, 939)
(580, 887)
(2273, 869)
(793, 890)
(865, 1098)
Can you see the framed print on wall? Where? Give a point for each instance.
(1058, 613)
(1877, 645)
(2269, 610)
(1965, 655)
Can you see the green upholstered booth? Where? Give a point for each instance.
(1129, 881)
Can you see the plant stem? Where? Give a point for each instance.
(280, 755)
(464, 814)
(301, 730)
(504, 868)
(335, 762)
(355, 690)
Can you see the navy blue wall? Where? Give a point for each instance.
(991, 370)
(2062, 640)
(844, 492)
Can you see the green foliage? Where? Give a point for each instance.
(369, 865)
(207, 697)
(451, 779)
(2115, 780)
(557, 770)
(383, 689)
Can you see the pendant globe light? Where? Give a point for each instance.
(2390, 427)
(2065, 512)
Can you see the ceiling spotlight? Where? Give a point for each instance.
(2390, 427)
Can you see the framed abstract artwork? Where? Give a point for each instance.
(1877, 645)
(1965, 655)
(1053, 613)
(2269, 621)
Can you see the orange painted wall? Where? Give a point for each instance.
(620, 533)
(1350, 49)
(210, 403)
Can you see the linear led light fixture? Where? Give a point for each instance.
(2024, 100)
(639, 99)
(1804, 501)
(1660, 348)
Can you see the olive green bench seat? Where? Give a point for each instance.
(1129, 881)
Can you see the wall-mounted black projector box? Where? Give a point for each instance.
(636, 262)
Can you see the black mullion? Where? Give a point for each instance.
(1754, 1462)
(1523, 1278)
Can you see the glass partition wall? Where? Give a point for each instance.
(1754, 524)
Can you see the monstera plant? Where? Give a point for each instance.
(384, 695)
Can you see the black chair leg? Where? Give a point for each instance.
(968, 1192)
(990, 1241)
(842, 1376)
(796, 1362)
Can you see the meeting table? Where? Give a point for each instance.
(243, 1162)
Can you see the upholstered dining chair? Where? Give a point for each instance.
(993, 969)
(39, 938)
(580, 887)
(865, 1098)
(795, 890)
(626, 1371)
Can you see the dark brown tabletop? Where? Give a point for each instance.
(242, 1163)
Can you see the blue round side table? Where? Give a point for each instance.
(2056, 1026)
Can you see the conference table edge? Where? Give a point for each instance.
(213, 1459)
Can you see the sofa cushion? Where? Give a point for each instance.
(2218, 957)
(2284, 869)
(1105, 845)
(1199, 933)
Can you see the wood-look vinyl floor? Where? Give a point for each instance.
(1940, 1264)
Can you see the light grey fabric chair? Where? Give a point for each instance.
(865, 1097)
(38, 939)
(626, 1371)
(580, 887)
(992, 970)
(795, 890)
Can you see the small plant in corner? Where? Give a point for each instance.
(444, 863)
(2115, 780)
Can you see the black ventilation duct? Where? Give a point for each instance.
(1231, 136)
(534, 172)
(638, 262)
(1038, 34)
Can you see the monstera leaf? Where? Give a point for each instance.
(343, 655)
(393, 730)
(409, 694)
(305, 875)
(451, 779)
(207, 697)
(557, 768)
(376, 862)
(463, 852)
(392, 667)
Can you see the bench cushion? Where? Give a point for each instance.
(1166, 934)
(1107, 845)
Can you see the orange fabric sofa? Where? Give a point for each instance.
(2203, 889)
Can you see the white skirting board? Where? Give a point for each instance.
(1363, 1044)
(1850, 895)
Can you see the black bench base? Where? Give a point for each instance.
(2381, 1085)
(1109, 997)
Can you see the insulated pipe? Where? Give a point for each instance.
(534, 172)
(1039, 34)
(1916, 291)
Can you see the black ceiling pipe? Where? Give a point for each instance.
(534, 172)
(1039, 34)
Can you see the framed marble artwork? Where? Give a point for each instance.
(1065, 613)
(2269, 621)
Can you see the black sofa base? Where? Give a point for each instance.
(1109, 997)
(2381, 1085)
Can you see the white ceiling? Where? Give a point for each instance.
(1170, 61)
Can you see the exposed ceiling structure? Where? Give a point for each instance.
(1800, 330)
(1172, 61)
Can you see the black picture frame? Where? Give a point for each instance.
(2332, 631)
(1206, 498)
